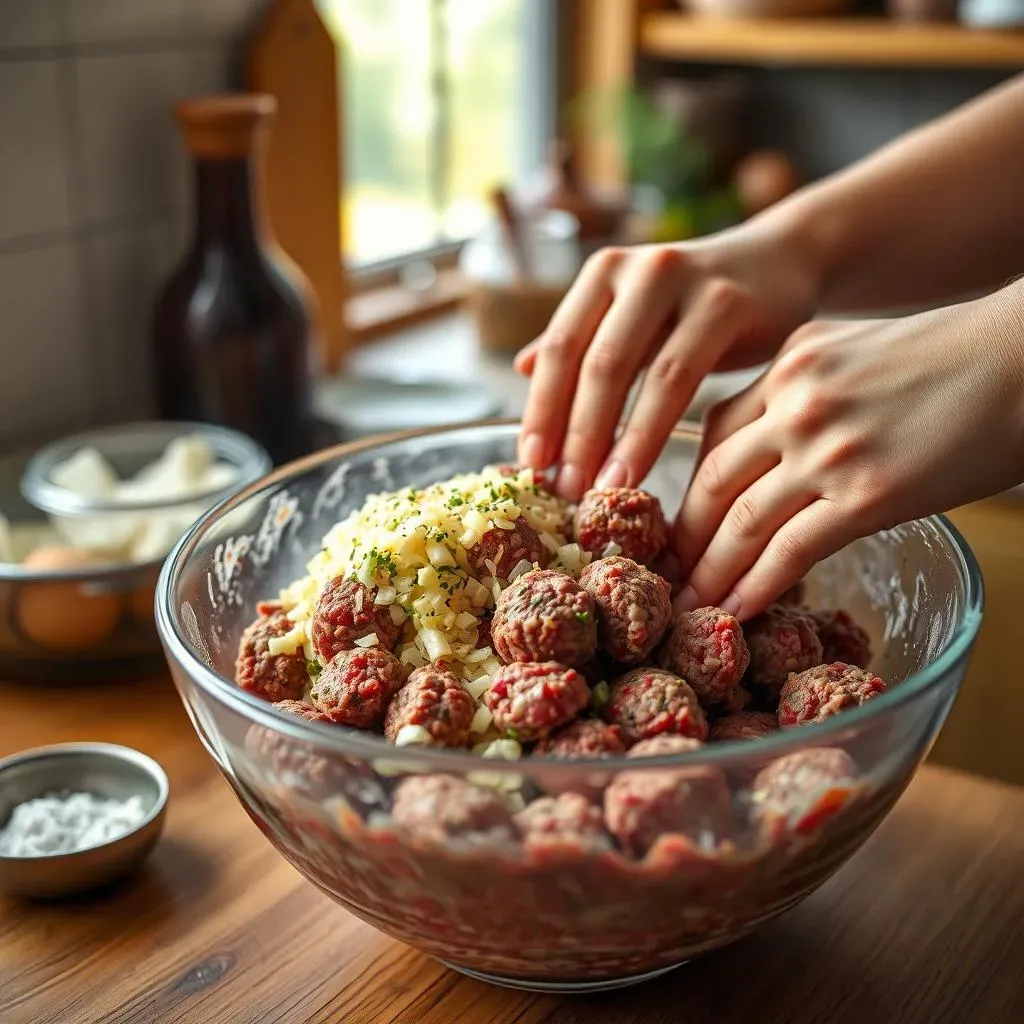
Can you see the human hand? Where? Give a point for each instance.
(856, 427)
(681, 311)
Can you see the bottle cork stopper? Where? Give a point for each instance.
(225, 127)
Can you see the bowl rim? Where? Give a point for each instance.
(252, 461)
(353, 743)
(115, 752)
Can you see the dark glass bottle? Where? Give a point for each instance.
(233, 328)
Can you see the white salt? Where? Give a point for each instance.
(66, 823)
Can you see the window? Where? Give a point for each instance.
(443, 99)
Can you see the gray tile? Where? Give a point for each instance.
(127, 267)
(46, 383)
(34, 167)
(130, 151)
(220, 17)
(28, 23)
(126, 21)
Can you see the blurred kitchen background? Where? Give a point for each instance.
(438, 170)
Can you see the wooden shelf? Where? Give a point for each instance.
(827, 42)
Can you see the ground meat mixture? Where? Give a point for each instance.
(668, 567)
(530, 700)
(647, 702)
(545, 616)
(798, 793)
(443, 807)
(735, 700)
(781, 640)
(824, 691)
(273, 677)
(706, 648)
(744, 725)
(505, 549)
(483, 634)
(345, 613)
(629, 518)
(356, 687)
(641, 805)
(795, 596)
(841, 638)
(633, 607)
(568, 821)
(431, 701)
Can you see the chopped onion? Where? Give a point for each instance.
(506, 749)
(481, 720)
(413, 736)
(549, 541)
(504, 524)
(386, 595)
(611, 549)
(492, 665)
(476, 592)
(397, 614)
(435, 644)
(464, 620)
(521, 567)
(439, 554)
(478, 687)
(480, 654)
(411, 656)
(370, 640)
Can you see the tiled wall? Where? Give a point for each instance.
(94, 193)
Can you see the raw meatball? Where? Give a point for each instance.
(824, 691)
(735, 700)
(744, 725)
(345, 613)
(841, 638)
(641, 805)
(505, 549)
(647, 702)
(273, 677)
(442, 807)
(544, 616)
(633, 607)
(584, 738)
(587, 737)
(303, 709)
(781, 640)
(706, 647)
(624, 516)
(798, 793)
(356, 687)
(435, 702)
(532, 699)
(559, 821)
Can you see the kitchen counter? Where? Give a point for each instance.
(925, 925)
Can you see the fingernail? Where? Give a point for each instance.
(687, 600)
(732, 604)
(613, 475)
(531, 451)
(570, 483)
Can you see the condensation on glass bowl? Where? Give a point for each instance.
(265, 542)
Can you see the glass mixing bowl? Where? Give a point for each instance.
(574, 912)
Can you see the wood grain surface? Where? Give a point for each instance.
(924, 926)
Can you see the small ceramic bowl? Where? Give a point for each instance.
(106, 770)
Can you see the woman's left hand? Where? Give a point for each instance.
(856, 426)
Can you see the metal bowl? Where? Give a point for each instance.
(104, 769)
(118, 596)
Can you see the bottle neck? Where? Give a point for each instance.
(228, 214)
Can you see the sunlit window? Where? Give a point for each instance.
(440, 105)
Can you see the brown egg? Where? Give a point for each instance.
(764, 177)
(61, 615)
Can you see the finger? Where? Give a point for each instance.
(645, 299)
(723, 419)
(709, 327)
(526, 358)
(721, 477)
(744, 534)
(814, 533)
(559, 351)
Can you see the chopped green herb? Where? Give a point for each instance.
(511, 734)
(600, 695)
(313, 668)
(583, 616)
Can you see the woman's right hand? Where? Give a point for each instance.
(679, 311)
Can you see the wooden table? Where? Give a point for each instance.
(925, 924)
